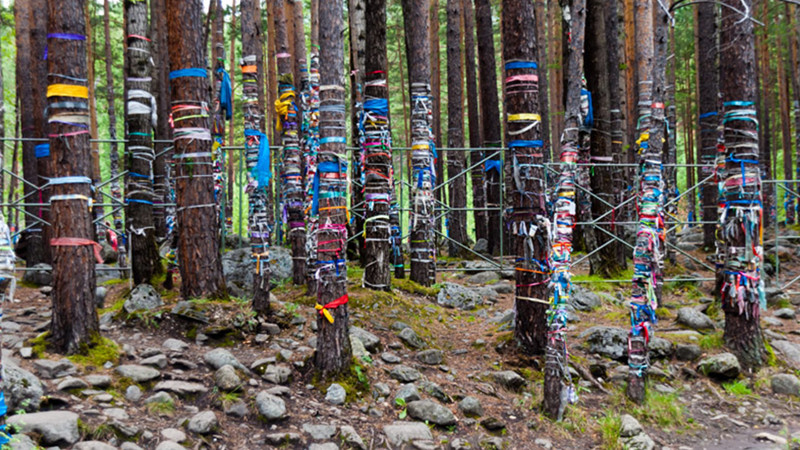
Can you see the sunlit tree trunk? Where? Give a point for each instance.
(456, 159)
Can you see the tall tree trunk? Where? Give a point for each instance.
(222, 100)
(310, 151)
(97, 211)
(406, 127)
(742, 292)
(297, 223)
(232, 157)
(376, 153)
(558, 388)
(526, 185)
(38, 74)
(333, 356)
(794, 24)
(670, 146)
(631, 88)
(198, 246)
(544, 99)
(490, 121)
(474, 122)
(616, 87)
(35, 250)
(423, 176)
(273, 216)
(140, 108)
(292, 166)
(257, 153)
(649, 243)
(599, 75)
(786, 132)
(708, 115)
(436, 118)
(357, 28)
(456, 159)
(74, 323)
(764, 102)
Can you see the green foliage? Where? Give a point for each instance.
(403, 408)
(99, 351)
(610, 425)
(711, 341)
(161, 408)
(737, 388)
(664, 410)
(412, 287)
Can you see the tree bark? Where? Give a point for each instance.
(38, 74)
(97, 211)
(708, 115)
(436, 118)
(258, 159)
(742, 290)
(423, 176)
(474, 121)
(526, 186)
(357, 29)
(219, 116)
(786, 132)
(292, 190)
(297, 235)
(376, 153)
(557, 382)
(490, 121)
(310, 151)
(164, 222)
(333, 356)
(764, 102)
(649, 243)
(198, 246)
(456, 159)
(32, 246)
(74, 323)
(139, 147)
(232, 157)
(544, 98)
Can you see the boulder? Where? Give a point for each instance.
(509, 379)
(271, 407)
(789, 350)
(143, 297)
(56, 427)
(785, 383)
(454, 295)
(400, 434)
(583, 299)
(202, 422)
(40, 275)
(137, 373)
(694, 319)
(611, 342)
(226, 378)
(21, 388)
(411, 338)
(220, 357)
(336, 394)
(470, 407)
(723, 365)
(371, 342)
(431, 412)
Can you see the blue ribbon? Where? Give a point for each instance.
(522, 65)
(324, 167)
(379, 106)
(261, 172)
(588, 121)
(493, 164)
(225, 93)
(524, 143)
(708, 114)
(42, 150)
(189, 72)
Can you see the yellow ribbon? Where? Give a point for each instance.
(282, 108)
(67, 90)
(524, 117)
(325, 312)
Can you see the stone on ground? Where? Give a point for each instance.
(55, 427)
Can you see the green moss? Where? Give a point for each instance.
(412, 287)
(355, 382)
(711, 341)
(737, 388)
(39, 345)
(113, 282)
(610, 425)
(161, 408)
(664, 410)
(772, 360)
(97, 352)
(115, 308)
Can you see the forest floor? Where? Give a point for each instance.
(456, 354)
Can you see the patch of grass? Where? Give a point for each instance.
(737, 388)
(616, 315)
(711, 341)
(229, 398)
(663, 410)
(772, 360)
(663, 313)
(115, 307)
(97, 352)
(355, 383)
(161, 408)
(610, 425)
(39, 344)
(594, 283)
(113, 282)
(412, 287)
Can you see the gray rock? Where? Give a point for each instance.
(175, 345)
(22, 442)
(282, 439)
(483, 278)
(660, 348)
(277, 373)
(410, 338)
(785, 313)
(129, 446)
(470, 407)
(72, 383)
(100, 293)
(723, 365)
(202, 422)
(546, 444)
(431, 357)
(431, 412)
(336, 394)
(181, 388)
(41, 275)
(607, 341)
(401, 433)
(115, 413)
(481, 246)
(236, 409)
(219, 357)
(169, 445)
(407, 393)
(159, 361)
(640, 442)
(509, 379)
(405, 374)
(454, 295)
(173, 434)
(143, 298)
(49, 369)
(435, 391)
(502, 288)
(688, 352)
(381, 390)
(270, 406)
(272, 329)
(789, 350)
(21, 388)
(371, 342)
(137, 373)
(93, 445)
(226, 378)
(583, 299)
(133, 393)
(694, 319)
(351, 437)
(785, 383)
(359, 351)
(320, 431)
(324, 446)
(390, 358)
(629, 427)
(99, 381)
(55, 427)
(159, 397)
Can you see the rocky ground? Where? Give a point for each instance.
(435, 368)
